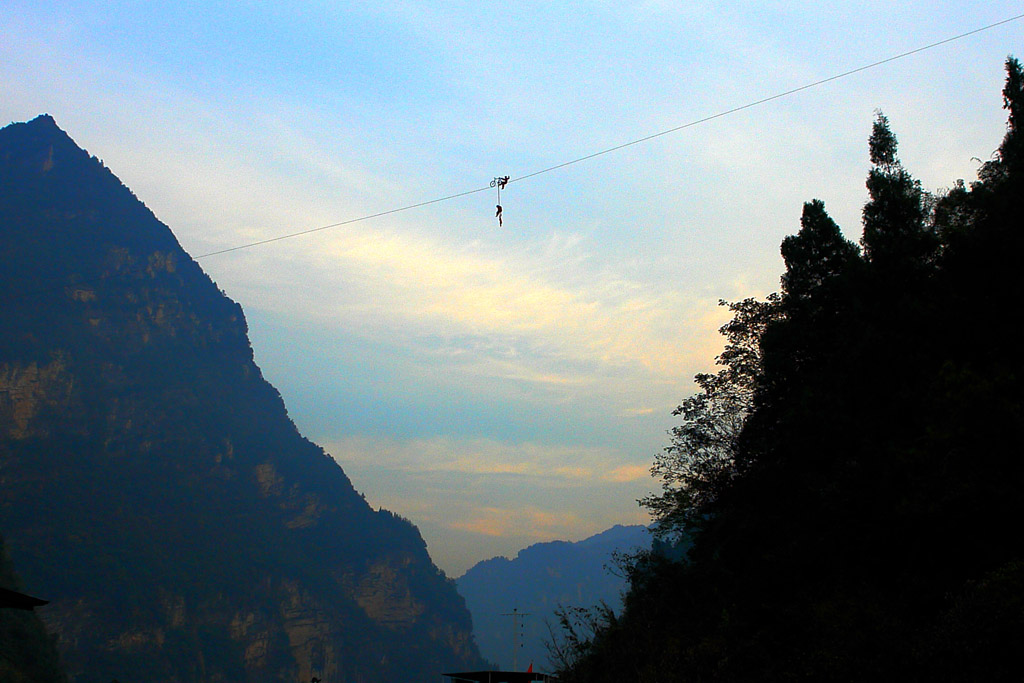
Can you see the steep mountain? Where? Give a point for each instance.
(539, 580)
(152, 485)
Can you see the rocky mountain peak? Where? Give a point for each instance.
(152, 485)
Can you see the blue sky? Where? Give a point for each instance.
(499, 386)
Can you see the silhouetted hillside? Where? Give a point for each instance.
(539, 580)
(152, 484)
(852, 475)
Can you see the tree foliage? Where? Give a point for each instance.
(851, 476)
(701, 458)
(815, 258)
(896, 233)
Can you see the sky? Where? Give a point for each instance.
(500, 385)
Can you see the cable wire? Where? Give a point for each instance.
(770, 98)
(631, 143)
(341, 223)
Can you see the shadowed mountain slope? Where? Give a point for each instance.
(151, 481)
(538, 581)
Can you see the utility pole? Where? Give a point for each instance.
(516, 627)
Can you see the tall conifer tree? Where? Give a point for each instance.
(814, 258)
(896, 236)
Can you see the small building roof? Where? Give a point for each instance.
(16, 600)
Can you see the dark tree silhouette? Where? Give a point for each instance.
(896, 237)
(851, 477)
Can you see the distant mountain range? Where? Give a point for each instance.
(539, 580)
(152, 485)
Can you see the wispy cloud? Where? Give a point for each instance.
(634, 412)
(496, 496)
(629, 473)
(554, 325)
(546, 465)
(543, 525)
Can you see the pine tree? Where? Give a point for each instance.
(814, 258)
(896, 239)
(1010, 156)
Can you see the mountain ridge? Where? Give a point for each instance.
(200, 535)
(541, 578)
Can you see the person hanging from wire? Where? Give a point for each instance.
(500, 183)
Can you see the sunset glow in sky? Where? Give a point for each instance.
(500, 385)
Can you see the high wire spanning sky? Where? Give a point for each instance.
(499, 386)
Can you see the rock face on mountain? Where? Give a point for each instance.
(152, 485)
(539, 580)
